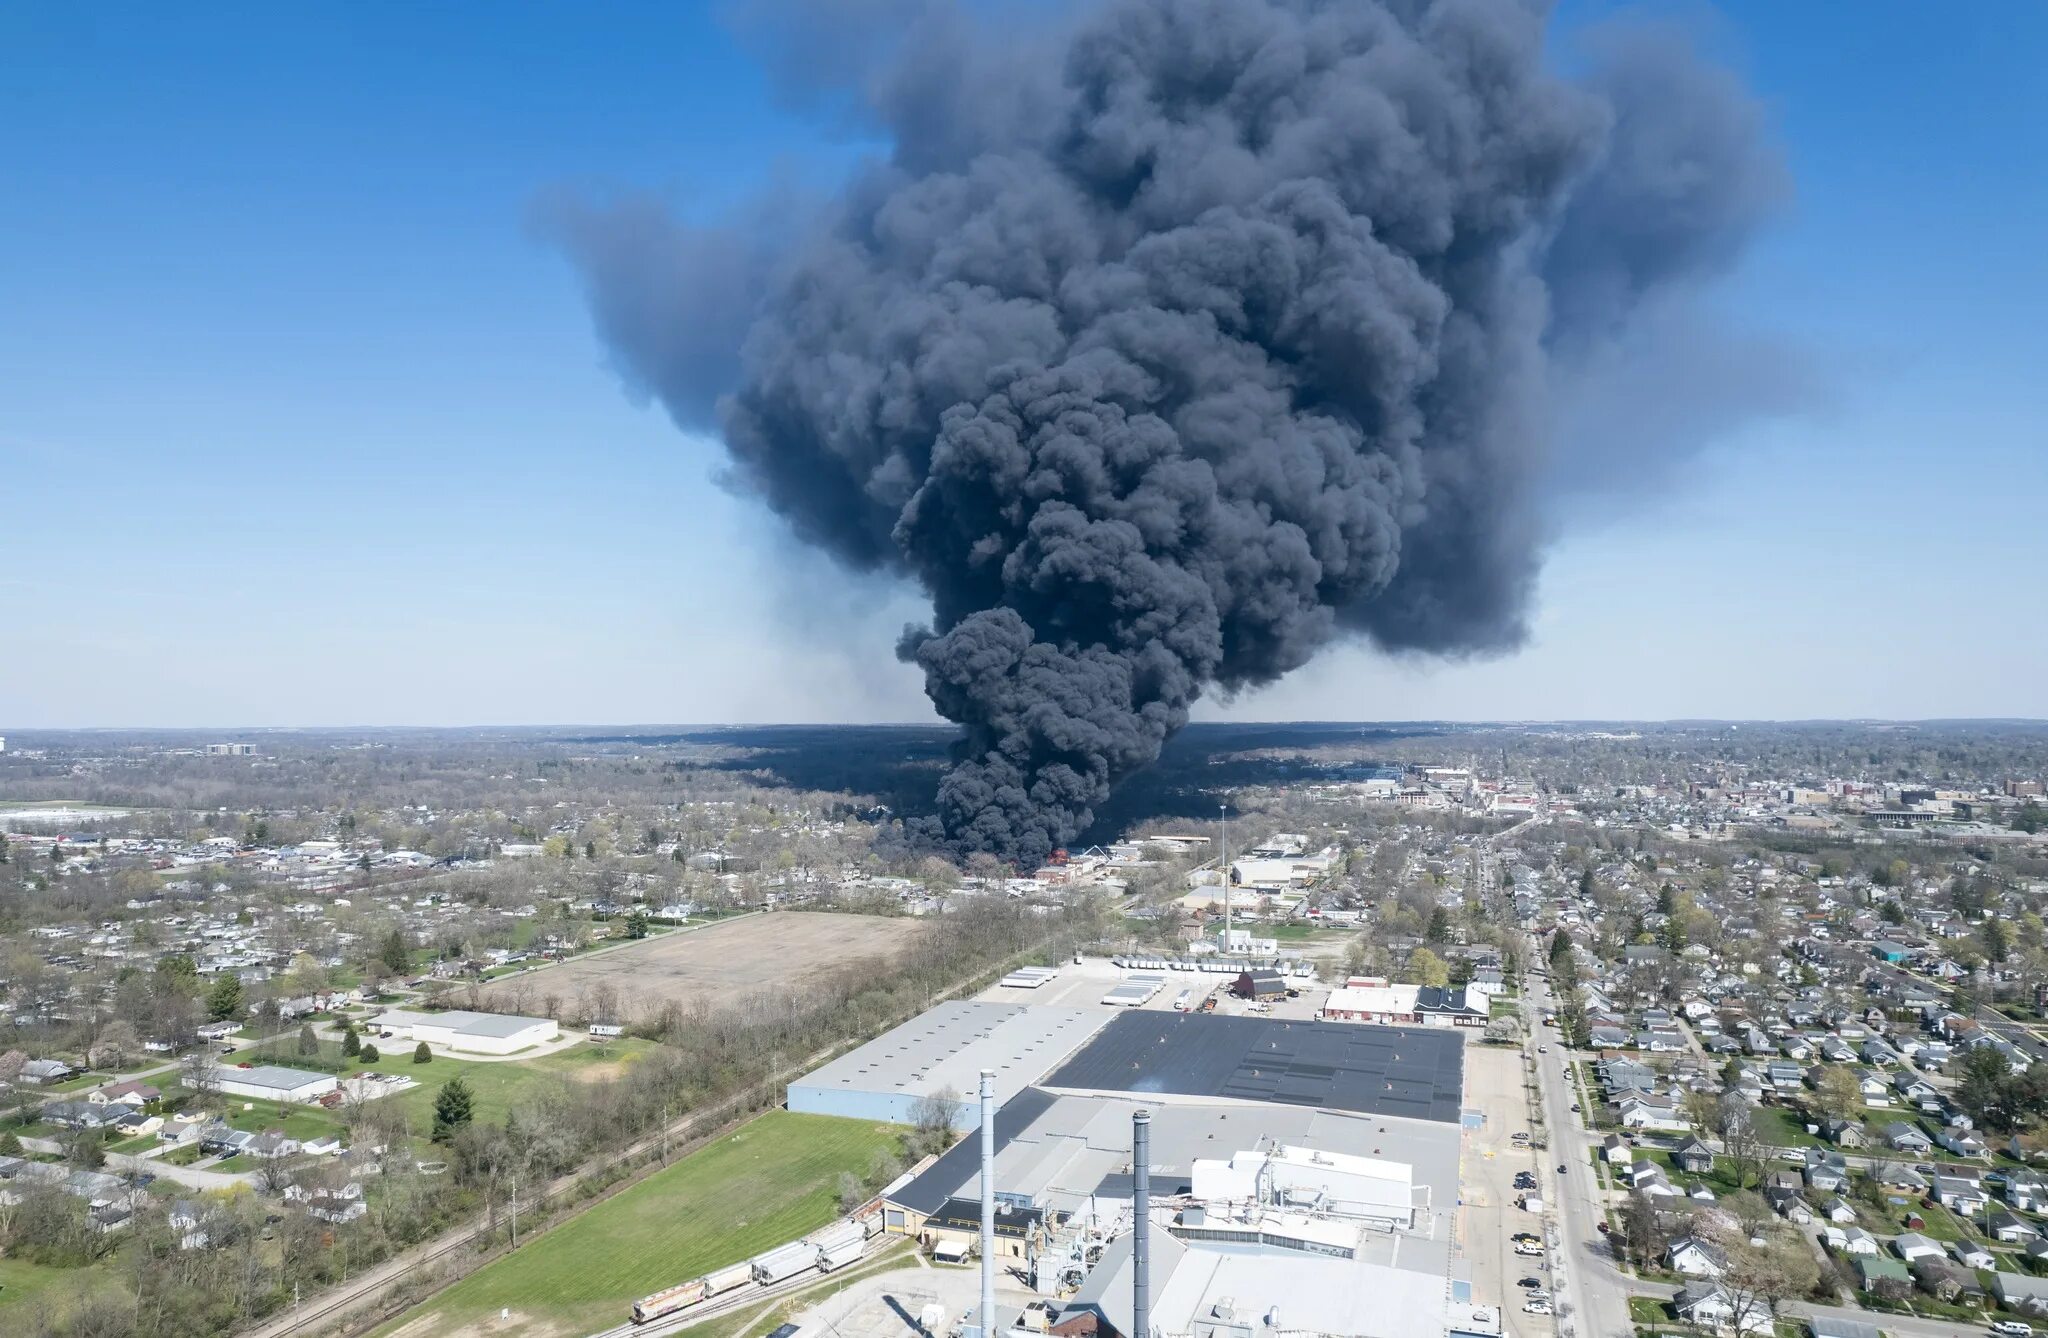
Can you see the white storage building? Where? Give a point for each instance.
(478, 1033)
(943, 1052)
(270, 1082)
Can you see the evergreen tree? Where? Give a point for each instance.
(370, 1054)
(178, 971)
(394, 954)
(351, 1044)
(421, 1054)
(309, 1044)
(224, 1000)
(452, 1109)
(1439, 930)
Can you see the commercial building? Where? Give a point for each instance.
(477, 1033)
(940, 1054)
(1372, 999)
(268, 1082)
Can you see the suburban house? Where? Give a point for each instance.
(1903, 1137)
(1708, 1305)
(1696, 1258)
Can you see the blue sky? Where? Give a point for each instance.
(300, 423)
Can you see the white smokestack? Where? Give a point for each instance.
(988, 1203)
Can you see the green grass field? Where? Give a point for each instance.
(21, 1282)
(498, 1084)
(768, 1182)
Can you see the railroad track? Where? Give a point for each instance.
(739, 1299)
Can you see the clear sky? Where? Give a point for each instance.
(301, 424)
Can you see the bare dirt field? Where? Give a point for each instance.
(728, 961)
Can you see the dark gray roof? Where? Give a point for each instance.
(929, 1192)
(1417, 1072)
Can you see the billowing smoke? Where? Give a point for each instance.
(1164, 349)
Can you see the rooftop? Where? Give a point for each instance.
(1414, 1072)
(947, 1047)
(469, 1024)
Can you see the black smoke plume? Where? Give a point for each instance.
(1165, 348)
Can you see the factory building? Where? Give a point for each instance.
(940, 1054)
(1303, 1177)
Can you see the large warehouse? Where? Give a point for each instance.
(269, 1082)
(1301, 1168)
(1415, 1072)
(941, 1053)
(477, 1033)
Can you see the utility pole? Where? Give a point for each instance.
(1223, 813)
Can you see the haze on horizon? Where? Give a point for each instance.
(331, 439)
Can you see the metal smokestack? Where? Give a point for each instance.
(1141, 1236)
(988, 1203)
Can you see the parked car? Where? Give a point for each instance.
(1531, 1281)
(2012, 1327)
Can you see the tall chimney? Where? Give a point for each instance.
(988, 1203)
(1141, 1235)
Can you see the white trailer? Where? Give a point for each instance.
(840, 1255)
(784, 1263)
(835, 1236)
(725, 1279)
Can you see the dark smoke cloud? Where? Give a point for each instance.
(1166, 347)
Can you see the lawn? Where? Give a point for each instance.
(1721, 1179)
(300, 1122)
(497, 1084)
(1784, 1127)
(1301, 933)
(21, 1281)
(767, 1183)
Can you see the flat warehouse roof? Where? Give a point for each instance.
(1416, 1072)
(947, 1047)
(273, 1075)
(469, 1024)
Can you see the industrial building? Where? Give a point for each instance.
(477, 1033)
(268, 1082)
(1416, 1073)
(940, 1054)
(1296, 1177)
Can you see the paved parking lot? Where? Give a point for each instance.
(1487, 1216)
